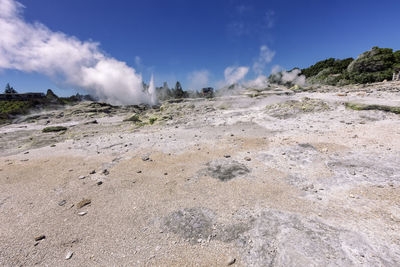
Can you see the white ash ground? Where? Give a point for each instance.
(306, 182)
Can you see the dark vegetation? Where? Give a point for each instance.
(375, 65)
(13, 104)
(54, 129)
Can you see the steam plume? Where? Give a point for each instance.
(35, 48)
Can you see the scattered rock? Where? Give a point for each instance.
(69, 255)
(40, 237)
(93, 172)
(145, 158)
(247, 158)
(99, 183)
(227, 156)
(139, 172)
(82, 177)
(230, 261)
(62, 202)
(82, 213)
(106, 172)
(83, 202)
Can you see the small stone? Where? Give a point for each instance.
(69, 255)
(40, 237)
(93, 172)
(227, 156)
(165, 173)
(145, 158)
(82, 213)
(230, 261)
(352, 196)
(247, 158)
(83, 203)
(27, 152)
(99, 183)
(62, 202)
(106, 172)
(139, 172)
(53, 145)
(82, 177)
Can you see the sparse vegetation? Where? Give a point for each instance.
(134, 118)
(152, 120)
(293, 107)
(357, 106)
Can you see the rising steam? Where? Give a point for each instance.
(35, 48)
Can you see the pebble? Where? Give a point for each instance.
(247, 158)
(82, 177)
(145, 158)
(99, 183)
(93, 172)
(62, 202)
(227, 156)
(165, 173)
(230, 261)
(106, 172)
(139, 172)
(83, 203)
(40, 237)
(82, 213)
(69, 255)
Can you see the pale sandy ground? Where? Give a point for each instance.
(311, 189)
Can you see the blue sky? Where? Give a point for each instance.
(177, 40)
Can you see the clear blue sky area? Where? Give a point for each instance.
(177, 37)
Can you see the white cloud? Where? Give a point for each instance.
(138, 62)
(260, 82)
(235, 74)
(294, 76)
(35, 48)
(265, 57)
(269, 19)
(198, 79)
(276, 69)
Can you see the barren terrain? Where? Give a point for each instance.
(258, 178)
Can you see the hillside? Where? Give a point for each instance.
(375, 65)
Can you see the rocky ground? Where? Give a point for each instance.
(260, 178)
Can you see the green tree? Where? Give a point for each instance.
(9, 90)
(178, 90)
